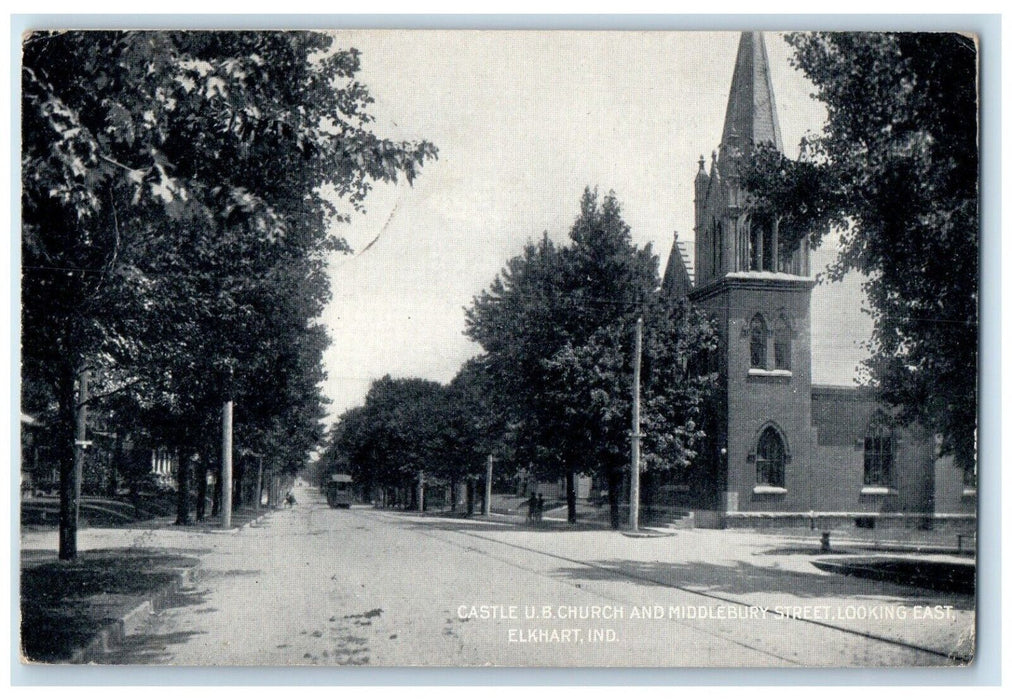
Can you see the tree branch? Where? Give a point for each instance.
(98, 397)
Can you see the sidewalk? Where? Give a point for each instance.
(73, 611)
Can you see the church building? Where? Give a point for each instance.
(783, 450)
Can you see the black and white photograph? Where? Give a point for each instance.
(519, 348)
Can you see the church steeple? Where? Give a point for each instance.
(731, 239)
(751, 115)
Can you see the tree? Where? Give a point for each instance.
(397, 433)
(475, 427)
(557, 326)
(186, 167)
(897, 166)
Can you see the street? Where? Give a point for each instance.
(318, 586)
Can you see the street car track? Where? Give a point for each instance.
(949, 656)
(736, 642)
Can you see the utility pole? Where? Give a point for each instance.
(634, 473)
(70, 498)
(421, 491)
(225, 488)
(260, 479)
(486, 507)
(226, 465)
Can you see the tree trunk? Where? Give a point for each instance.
(183, 494)
(453, 495)
(238, 484)
(216, 495)
(614, 484)
(470, 497)
(421, 490)
(117, 458)
(201, 489)
(70, 482)
(571, 496)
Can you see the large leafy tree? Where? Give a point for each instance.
(174, 186)
(557, 325)
(399, 431)
(896, 166)
(476, 427)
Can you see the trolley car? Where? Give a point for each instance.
(339, 491)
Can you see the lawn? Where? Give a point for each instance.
(64, 604)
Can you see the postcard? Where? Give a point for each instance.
(456, 348)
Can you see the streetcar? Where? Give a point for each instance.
(339, 491)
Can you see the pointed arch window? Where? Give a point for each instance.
(782, 343)
(757, 342)
(719, 245)
(879, 452)
(770, 458)
(755, 247)
(714, 237)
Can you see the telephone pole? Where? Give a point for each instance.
(226, 465)
(486, 507)
(634, 472)
(70, 483)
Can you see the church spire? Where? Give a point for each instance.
(751, 110)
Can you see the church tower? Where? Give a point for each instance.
(759, 293)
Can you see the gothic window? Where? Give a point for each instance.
(713, 248)
(757, 342)
(782, 343)
(769, 248)
(879, 445)
(719, 255)
(770, 457)
(755, 247)
(970, 476)
(762, 248)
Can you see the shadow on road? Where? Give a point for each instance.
(449, 521)
(147, 648)
(746, 578)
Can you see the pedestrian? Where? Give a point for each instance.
(289, 500)
(532, 506)
(540, 509)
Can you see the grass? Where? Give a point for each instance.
(64, 604)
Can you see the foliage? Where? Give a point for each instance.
(176, 224)
(399, 431)
(800, 194)
(898, 160)
(557, 325)
(474, 422)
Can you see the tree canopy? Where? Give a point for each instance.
(401, 429)
(896, 167)
(557, 327)
(176, 217)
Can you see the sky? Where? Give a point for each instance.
(524, 121)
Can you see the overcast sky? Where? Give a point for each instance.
(523, 122)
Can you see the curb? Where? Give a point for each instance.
(210, 530)
(112, 635)
(646, 534)
(255, 521)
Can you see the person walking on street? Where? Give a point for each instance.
(532, 506)
(539, 510)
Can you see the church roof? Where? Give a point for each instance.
(678, 274)
(751, 115)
